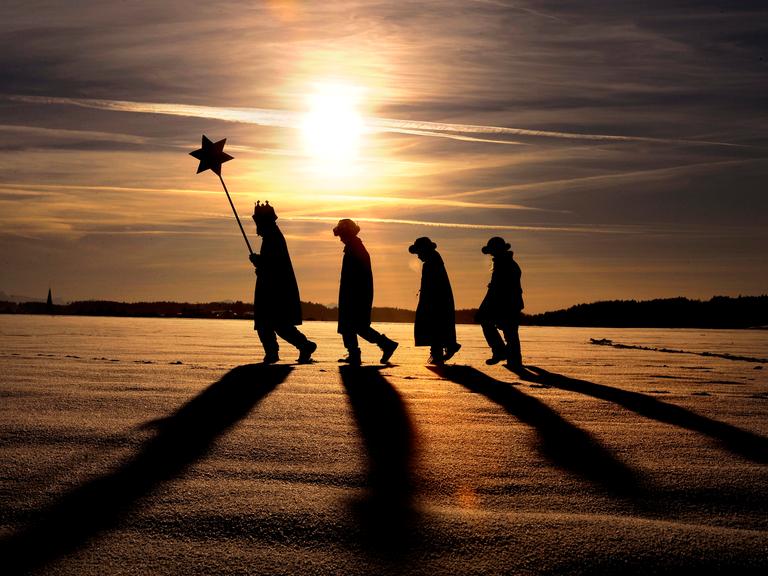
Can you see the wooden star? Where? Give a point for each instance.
(211, 155)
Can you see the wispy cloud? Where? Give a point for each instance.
(59, 133)
(290, 119)
(315, 200)
(412, 202)
(634, 176)
(466, 226)
(519, 7)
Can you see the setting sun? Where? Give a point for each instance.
(332, 127)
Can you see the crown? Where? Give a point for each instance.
(264, 211)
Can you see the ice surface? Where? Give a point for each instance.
(155, 446)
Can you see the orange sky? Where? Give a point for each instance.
(621, 152)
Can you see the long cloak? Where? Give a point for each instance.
(355, 288)
(435, 323)
(504, 299)
(276, 299)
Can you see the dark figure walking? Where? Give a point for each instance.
(502, 304)
(276, 304)
(356, 296)
(435, 324)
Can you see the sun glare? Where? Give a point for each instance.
(332, 128)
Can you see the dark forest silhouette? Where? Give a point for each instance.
(718, 312)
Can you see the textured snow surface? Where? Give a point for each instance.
(160, 446)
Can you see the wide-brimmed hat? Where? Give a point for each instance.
(346, 225)
(496, 244)
(422, 244)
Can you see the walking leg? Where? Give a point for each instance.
(387, 346)
(436, 355)
(353, 349)
(512, 336)
(292, 335)
(495, 342)
(269, 343)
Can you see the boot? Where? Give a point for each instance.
(388, 348)
(271, 357)
(498, 356)
(305, 352)
(451, 350)
(514, 357)
(436, 356)
(353, 357)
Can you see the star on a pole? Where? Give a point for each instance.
(211, 155)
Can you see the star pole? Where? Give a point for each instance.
(212, 156)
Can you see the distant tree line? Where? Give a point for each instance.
(718, 312)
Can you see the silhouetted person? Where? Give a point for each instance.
(276, 304)
(500, 309)
(435, 324)
(356, 296)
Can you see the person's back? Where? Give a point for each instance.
(435, 322)
(436, 297)
(355, 287)
(505, 288)
(276, 301)
(277, 292)
(500, 309)
(356, 296)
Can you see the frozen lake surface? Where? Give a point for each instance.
(159, 446)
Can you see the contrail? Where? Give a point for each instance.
(289, 119)
(454, 136)
(35, 188)
(429, 128)
(575, 229)
(259, 116)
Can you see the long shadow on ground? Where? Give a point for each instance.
(181, 439)
(565, 445)
(736, 440)
(387, 514)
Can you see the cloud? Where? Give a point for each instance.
(288, 119)
(466, 226)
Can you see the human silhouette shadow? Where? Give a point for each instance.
(738, 441)
(387, 514)
(567, 446)
(181, 439)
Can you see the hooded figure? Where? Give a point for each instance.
(356, 296)
(435, 324)
(276, 303)
(501, 307)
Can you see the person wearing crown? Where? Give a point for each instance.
(356, 297)
(276, 302)
(435, 323)
(501, 307)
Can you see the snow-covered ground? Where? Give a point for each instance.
(159, 446)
